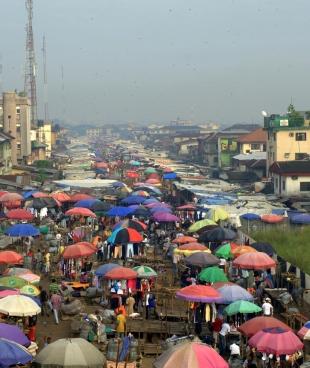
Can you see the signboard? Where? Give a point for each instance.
(284, 122)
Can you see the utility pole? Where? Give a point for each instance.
(45, 80)
(30, 87)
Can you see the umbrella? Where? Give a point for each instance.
(79, 197)
(30, 290)
(242, 249)
(250, 217)
(12, 353)
(187, 207)
(232, 293)
(61, 197)
(303, 219)
(263, 247)
(153, 181)
(141, 212)
(254, 261)
(224, 251)
(142, 193)
(272, 219)
(118, 184)
(132, 174)
(150, 189)
(200, 224)
(40, 195)
(165, 217)
(70, 353)
(218, 285)
(20, 230)
(192, 246)
(103, 269)
(119, 211)
(100, 206)
(4, 293)
(125, 236)
(150, 201)
(133, 224)
(80, 211)
(121, 273)
(160, 209)
(212, 274)
(30, 277)
(199, 293)
(202, 259)
(11, 197)
(19, 306)
(48, 202)
(13, 333)
(13, 281)
(217, 214)
(86, 203)
(10, 257)
(252, 326)
(16, 271)
(276, 340)
(184, 239)
(79, 250)
(243, 307)
(133, 199)
(150, 170)
(145, 272)
(170, 176)
(19, 214)
(217, 235)
(190, 355)
(156, 204)
(304, 332)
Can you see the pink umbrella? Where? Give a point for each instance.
(199, 293)
(157, 204)
(254, 261)
(190, 355)
(276, 341)
(165, 217)
(4, 293)
(80, 211)
(30, 277)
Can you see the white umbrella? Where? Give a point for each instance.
(19, 306)
(70, 353)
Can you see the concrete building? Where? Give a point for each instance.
(255, 141)
(44, 135)
(288, 138)
(5, 154)
(291, 178)
(15, 121)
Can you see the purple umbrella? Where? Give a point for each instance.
(13, 333)
(12, 353)
(160, 209)
(232, 293)
(165, 217)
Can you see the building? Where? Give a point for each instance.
(44, 135)
(5, 154)
(15, 121)
(288, 138)
(255, 141)
(93, 133)
(291, 178)
(38, 152)
(254, 162)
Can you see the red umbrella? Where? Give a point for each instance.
(80, 211)
(276, 340)
(101, 165)
(193, 246)
(19, 214)
(184, 239)
(61, 197)
(272, 219)
(10, 257)
(153, 176)
(251, 327)
(187, 207)
(121, 273)
(254, 261)
(132, 174)
(79, 250)
(199, 293)
(79, 197)
(152, 181)
(11, 197)
(3, 192)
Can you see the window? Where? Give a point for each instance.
(255, 146)
(305, 186)
(283, 185)
(301, 136)
(300, 156)
(286, 155)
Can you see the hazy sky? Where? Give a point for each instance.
(155, 60)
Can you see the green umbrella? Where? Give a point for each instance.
(150, 170)
(200, 224)
(30, 290)
(212, 274)
(144, 271)
(224, 251)
(242, 306)
(43, 229)
(13, 282)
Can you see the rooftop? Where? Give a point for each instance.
(257, 136)
(291, 168)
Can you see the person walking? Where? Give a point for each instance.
(120, 324)
(130, 302)
(225, 330)
(267, 308)
(56, 305)
(44, 300)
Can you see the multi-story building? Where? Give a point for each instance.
(15, 121)
(44, 135)
(5, 154)
(253, 142)
(288, 138)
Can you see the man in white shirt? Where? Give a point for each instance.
(222, 335)
(267, 308)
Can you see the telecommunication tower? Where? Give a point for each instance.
(30, 87)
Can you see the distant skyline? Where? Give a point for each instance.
(153, 61)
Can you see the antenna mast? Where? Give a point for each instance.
(45, 80)
(30, 87)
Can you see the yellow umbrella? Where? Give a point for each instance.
(217, 214)
(189, 252)
(30, 290)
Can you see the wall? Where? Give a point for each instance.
(247, 148)
(228, 147)
(292, 187)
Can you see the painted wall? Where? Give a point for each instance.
(291, 186)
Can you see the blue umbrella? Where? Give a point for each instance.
(134, 199)
(103, 269)
(150, 200)
(232, 293)
(263, 247)
(20, 230)
(119, 211)
(12, 353)
(29, 193)
(86, 203)
(303, 219)
(250, 216)
(118, 184)
(170, 176)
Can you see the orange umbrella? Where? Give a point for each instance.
(193, 246)
(242, 249)
(61, 197)
(79, 197)
(79, 250)
(80, 211)
(10, 257)
(11, 197)
(272, 219)
(19, 214)
(184, 240)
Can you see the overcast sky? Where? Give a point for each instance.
(155, 60)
